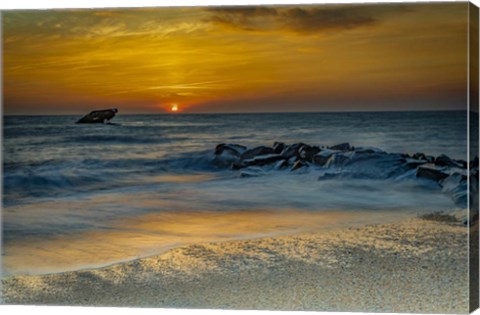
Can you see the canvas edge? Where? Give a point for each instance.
(1, 156)
(473, 109)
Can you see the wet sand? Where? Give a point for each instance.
(152, 234)
(413, 265)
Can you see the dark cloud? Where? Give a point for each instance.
(304, 19)
(244, 18)
(245, 11)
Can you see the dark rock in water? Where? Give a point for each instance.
(219, 148)
(365, 151)
(419, 156)
(281, 164)
(322, 157)
(412, 163)
(341, 147)
(444, 160)
(307, 152)
(369, 150)
(98, 116)
(262, 160)
(237, 166)
(292, 150)
(226, 158)
(278, 147)
(292, 160)
(235, 149)
(261, 150)
(430, 158)
(228, 155)
(337, 159)
(431, 172)
(298, 164)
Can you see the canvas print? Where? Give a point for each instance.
(295, 157)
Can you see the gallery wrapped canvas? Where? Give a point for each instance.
(315, 157)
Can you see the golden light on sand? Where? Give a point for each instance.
(174, 108)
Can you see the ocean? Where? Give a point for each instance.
(102, 187)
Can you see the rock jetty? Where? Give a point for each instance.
(344, 160)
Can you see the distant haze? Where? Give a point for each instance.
(240, 59)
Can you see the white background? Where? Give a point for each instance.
(44, 4)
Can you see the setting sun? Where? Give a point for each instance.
(115, 57)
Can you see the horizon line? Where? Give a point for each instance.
(256, 113)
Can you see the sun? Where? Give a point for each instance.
(174, 108)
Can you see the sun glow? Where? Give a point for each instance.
(202, 59)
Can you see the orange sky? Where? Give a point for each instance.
(243, 59)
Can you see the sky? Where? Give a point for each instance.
(348, 57)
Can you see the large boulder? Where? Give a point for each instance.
(235, 149)
(225, 159)
(298, 164)
(368, 150)
(322, 157)
(262, 160)
(444, 160)
(251, 153)
(292, 150)
(419, 156)
(431, 172)
(342, 147)
(412, 163)
(307, 152)
(227, 155)
(278, 147)
(337, 159)
(281, 164)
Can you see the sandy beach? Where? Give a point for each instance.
(414, 265)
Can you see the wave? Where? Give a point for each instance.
(96, 139)
(55, 177)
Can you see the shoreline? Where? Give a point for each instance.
(154, 234)
(413, 265)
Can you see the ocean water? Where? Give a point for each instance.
(64, 181)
